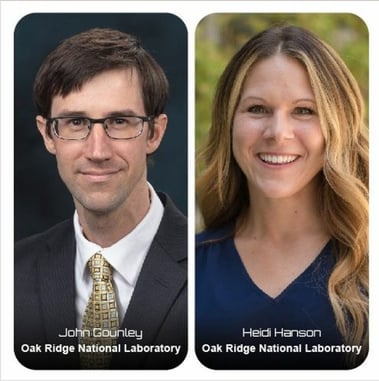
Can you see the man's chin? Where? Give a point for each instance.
(98, 206)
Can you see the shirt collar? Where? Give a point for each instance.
(128, 254)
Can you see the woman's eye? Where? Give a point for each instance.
(304, 111)
(257, 109)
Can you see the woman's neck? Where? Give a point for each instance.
(279, 220)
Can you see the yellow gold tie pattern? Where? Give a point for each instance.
(100, 318)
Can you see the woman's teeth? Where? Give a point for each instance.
(277, 159)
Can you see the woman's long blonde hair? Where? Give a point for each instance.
(222, 193)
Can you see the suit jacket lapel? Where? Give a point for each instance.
(157, 288)
(161, 280)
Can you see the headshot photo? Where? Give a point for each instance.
(281, 271)
(100, 191)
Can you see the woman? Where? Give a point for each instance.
(282, 265)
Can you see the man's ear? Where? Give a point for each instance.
(47, 139)
(155, 136)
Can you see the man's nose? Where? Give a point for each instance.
(98, 143)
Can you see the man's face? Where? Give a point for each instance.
(104, 175)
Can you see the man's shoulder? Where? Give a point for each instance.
(172, 214)
(39, 242)
(172, 232)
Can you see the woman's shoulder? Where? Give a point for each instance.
(213, 249)
(213, 236)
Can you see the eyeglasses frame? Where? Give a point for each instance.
(52, 122)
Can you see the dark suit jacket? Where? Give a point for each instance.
(45, 297)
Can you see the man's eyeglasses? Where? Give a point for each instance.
(117, 127)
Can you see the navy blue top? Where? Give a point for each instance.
(228, 303)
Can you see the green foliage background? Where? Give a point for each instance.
(219, 36)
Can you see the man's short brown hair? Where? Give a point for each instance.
(81, 57)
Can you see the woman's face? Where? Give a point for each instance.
(277, 139)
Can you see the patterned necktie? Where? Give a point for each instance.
(100, 317)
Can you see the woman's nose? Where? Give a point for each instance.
(279, 127)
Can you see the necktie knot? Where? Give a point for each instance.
(99, 268)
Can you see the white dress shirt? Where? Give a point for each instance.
(125, 256)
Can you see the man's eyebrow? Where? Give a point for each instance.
(79, 113)
(122, 112)
(66, 112)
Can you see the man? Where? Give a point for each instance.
(100, 98)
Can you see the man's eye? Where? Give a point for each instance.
(120, 121)
(128, 121)
(76, 122)
(258, 109)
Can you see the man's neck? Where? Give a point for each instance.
(105, 229)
